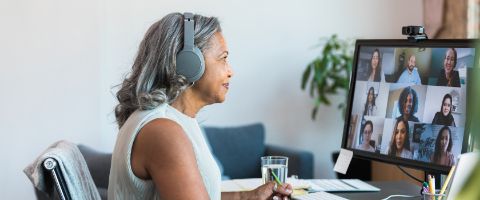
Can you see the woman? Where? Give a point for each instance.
(408, 105)
(375, 71)
(370, 107)
(400, 143)
(160, 151)
(449, 76)
(443, 148)
(444, 117)
(366, 137)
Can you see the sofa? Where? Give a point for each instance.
(237, 150)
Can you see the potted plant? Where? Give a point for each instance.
(329, 73)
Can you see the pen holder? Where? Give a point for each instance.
(436, 196)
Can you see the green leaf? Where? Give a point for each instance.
(306, 76)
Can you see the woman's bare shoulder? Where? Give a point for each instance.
(158, 137)
(163, 134)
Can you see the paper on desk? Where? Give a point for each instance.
(236, 185)
(343, 161)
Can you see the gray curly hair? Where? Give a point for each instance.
(153, 79)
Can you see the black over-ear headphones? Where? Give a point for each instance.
(190, 61)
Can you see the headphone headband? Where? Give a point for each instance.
(188, 28)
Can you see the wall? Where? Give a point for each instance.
(60, 60)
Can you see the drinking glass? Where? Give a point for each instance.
(274, 167)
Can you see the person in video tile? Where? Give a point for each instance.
(408, 105)
(366, 137)
(370, 107)
(444, 117)
(375, 71)
(443, 148)
(410, 75)
(448, 76)
(400, 143)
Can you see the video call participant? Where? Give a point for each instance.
(443, 148)
(445, 117)
(366, 137)
(448, 75)
(408, 105)
(370, 107)
(400, 143)
(375, 72)
(410, 74)
(160, 152)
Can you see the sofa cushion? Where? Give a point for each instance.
(238, 148)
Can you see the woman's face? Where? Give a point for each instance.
(449, 61)
(446, 106)
(367, 133)
(408, 104)
(214, 84)
(370, 96)
(375, 58)
(444, 139)
(400, 135)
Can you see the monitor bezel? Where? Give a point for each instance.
(434, 43)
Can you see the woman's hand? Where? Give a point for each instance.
(271, 190)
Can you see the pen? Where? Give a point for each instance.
(424, 188)
(446, 182)
(278, 181)
(431, 184)
(276, 178)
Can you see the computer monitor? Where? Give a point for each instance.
(407, 102)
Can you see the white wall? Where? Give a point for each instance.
(60, 60)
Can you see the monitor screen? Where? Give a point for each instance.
(407, 102)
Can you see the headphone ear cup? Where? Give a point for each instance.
(190, 64)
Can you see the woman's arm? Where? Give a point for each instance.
(163, 153)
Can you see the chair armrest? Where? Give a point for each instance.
(300, 162)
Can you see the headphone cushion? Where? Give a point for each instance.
(190, 64)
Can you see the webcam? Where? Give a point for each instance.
(414, 33)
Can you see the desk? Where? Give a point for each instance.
(387, 188)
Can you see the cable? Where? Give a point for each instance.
(409, 175)
(400, 195)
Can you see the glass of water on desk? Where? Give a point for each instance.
(274, 168)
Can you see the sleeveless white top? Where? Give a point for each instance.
(123, 184)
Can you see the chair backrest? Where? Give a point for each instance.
(51, 165)
(99, 166)
(60, 171)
